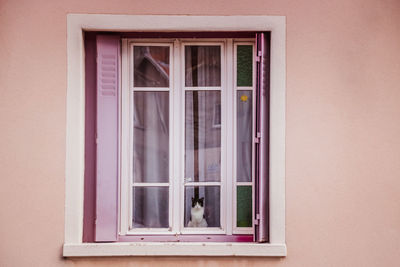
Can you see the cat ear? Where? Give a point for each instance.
(202, 199)
(192, 198)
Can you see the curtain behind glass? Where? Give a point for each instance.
(202, 136)
(151, 158)
(202, 66)
(244, 136)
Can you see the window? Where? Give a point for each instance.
(183, 135)
(178, 120)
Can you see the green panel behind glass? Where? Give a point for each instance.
(244, 65)
(244, 207)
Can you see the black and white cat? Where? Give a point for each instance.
(197, 213)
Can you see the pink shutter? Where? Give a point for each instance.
(108, 52)
(261, 221)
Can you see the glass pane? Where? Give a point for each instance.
(202, 66)
(244, 136)
(151, 137)
(244, 65)
(204, 209)
(150, 207)
(151, 66)
(244, 206)
(202, 136)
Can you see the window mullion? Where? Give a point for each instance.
(229, 142)
(224, 132)
(176, 177)
(124, 178)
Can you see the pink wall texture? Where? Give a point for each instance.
(343, 128)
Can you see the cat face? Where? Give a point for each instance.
(197, 201)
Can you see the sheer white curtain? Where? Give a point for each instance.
(203, 66)
(151, 159)
(202, 136)
(203, 152)
(151, 137)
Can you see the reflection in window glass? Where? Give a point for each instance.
(244, 136)
(150, 207)
(209, 214)
(151, 137)
(151, 66)
(217, 116)
(202, 139)
(244, 207)
(202, 66)
(244, 65)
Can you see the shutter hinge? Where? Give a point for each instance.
(258, 57)
(257, 138)
(257, 219)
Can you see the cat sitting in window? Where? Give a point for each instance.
(197, 213)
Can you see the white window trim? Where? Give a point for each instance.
(75, 132)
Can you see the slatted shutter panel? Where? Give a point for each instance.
(108, 54)
(261, 220)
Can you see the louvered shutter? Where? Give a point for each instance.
(261, 220)
(108, 53)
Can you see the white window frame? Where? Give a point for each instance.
(236, 89)
(127, 114)
(75, 132)
(222, 183)
(177, 91)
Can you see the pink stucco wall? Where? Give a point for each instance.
(343, 129)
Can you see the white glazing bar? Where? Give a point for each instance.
(244, 88)
(244, 183)
(203, 184)
(149, 184)
(150, 89)
(203, 88)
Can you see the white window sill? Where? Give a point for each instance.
(174, 249)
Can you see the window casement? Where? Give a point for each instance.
(183, 114)
(183, 118)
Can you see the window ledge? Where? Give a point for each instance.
(174, 249)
